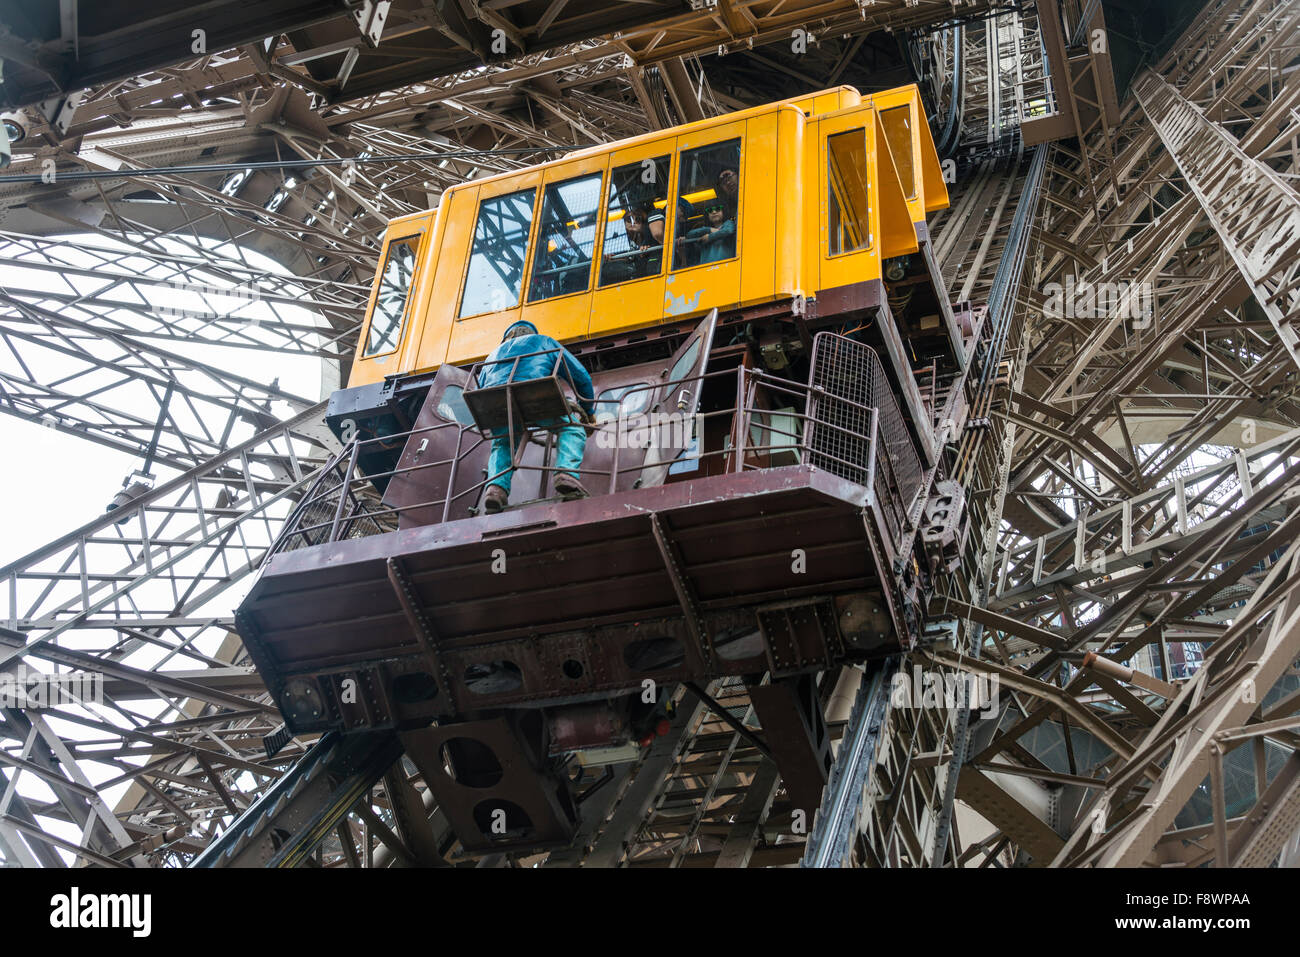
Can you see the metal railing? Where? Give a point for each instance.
(845, 421)
(847, 377)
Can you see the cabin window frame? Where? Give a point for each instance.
(741, 136)
(827, 138)
(442, 400)
(525, 275)
(670, 153)
(645, 386)
(909, 187)
(535, 237)
(403, 320)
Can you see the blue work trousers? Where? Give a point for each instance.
(571, 444)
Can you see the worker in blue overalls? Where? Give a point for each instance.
(541, 352)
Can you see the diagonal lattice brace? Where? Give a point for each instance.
(1254, 210)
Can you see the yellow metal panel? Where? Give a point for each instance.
(810, 238)
(827, 101)
(787, 272)
(927, 191)
(459, 208)
(936, 188)
(904, 142)
(374, 368)
(473, 337)
(897, 229)
(763, 201)
(421, 292)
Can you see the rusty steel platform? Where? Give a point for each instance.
(559, 600)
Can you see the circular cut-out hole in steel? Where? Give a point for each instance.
(470, 762)
(500, 820)
(573, 669)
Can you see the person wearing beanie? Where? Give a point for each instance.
(539, 354)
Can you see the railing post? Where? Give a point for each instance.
(873, 443)
(618, 441)
(742, 419)
(452, 473)
(343, 490)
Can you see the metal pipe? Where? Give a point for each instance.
(70, 177)
(1113, 669)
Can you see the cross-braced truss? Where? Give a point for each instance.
(1131, 459)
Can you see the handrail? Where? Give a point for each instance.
(832, 429)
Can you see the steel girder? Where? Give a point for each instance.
(133, 599)
(1117, 542)
(1255, 212)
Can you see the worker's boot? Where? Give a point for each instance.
(569, 487)
(495, 499)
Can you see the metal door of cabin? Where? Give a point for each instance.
(444, 432)
(670, 421)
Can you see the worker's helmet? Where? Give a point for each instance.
(521, 328)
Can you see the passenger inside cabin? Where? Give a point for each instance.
(716, 240)
(526, 354)
(645, 237)
(728, 190)
(642, 247)
(645, 227)
(708, 205)
(635, 223)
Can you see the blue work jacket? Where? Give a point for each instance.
(538, 366)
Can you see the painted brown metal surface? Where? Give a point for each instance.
(573, 568)
(771, 548)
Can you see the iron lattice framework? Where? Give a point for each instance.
(1131, 473)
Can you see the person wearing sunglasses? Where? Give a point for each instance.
(645, 229)
(716, 240)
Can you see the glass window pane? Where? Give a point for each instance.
(898, 131)
(708, 205)
(452, 407)
(682, 367)
(623, 400)
(847, 227)
(496, 263)
(634, 226)
(390, 304)
(566, 238)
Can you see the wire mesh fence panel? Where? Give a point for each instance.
(839, 439)
(848, 383)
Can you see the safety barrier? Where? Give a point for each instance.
(845, 421)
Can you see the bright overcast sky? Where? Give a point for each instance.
(54, 482)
